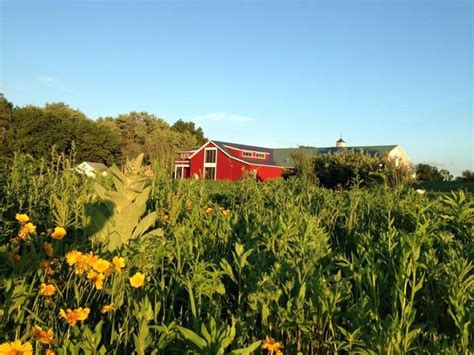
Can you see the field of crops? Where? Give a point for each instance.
(129, 263)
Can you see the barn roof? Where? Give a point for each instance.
(283, 156)
(224, 146)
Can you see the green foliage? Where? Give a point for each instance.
(372, 270)
(141, 132)
(116, 217)
(39, 130)
(426, 172)
(190, 127)
(466, 175)
(349, 168)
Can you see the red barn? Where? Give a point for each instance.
(227, 161)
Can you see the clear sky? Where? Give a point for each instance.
(274, 73)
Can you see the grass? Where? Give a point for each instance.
(447, 186)
(240, 267)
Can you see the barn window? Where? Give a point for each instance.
(211, 155)
(246, 154)
(210, 173)
(260, 155)
(210, 163)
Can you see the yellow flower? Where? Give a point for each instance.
(47, 289)
(30, 228)
(208, 210)
(73, 257)
(97, 278)
(82, 313)
(48, 249)
(73, 315)
(49, 352)
(22, 218)
(101, 265)
(225, 212)
(43, 336)
(119, 263)
(91, 258)
(16, 348)
(107, 308)
(137, 280)
(272, 346)
(58, 233)
(25, 230)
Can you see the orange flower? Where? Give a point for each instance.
(73, 257)
(43, 336)
(48, 249)
(22, 218)
(107, 308)
(16, 348)
(30, 228)
(91, 258)
(46, 266)
(208, 210)
(101, 265)
(72, 316)
(272, 346)
(58, 233)
(97, 278)
(119, 263)
(79, 260)
(49, 352)
(47, 289)
(137, 280)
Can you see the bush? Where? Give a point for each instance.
(350, 168)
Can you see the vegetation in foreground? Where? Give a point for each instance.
(150, 265)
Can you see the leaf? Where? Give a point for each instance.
(228, 269)
(248, 350)
(144, 225)
(301, 296)
(192, 337)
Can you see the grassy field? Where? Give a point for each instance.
(134, 264)
(447, 186)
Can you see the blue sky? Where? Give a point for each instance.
(275, 73)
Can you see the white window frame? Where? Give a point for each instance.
(209, 165)
(181, 167)
(260, 155)
(249, 154)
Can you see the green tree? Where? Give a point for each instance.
(447, 176)
(426, 172)
(6, 127)
(466, 175)
(189, 127)
(36, 132)
(93, 141)
(348, 168)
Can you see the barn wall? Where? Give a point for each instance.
(230, 169)
(268, 172)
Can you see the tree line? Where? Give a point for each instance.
(36, 130)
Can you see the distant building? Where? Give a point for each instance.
(284, 156)
(217, 160)
(91, 169)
